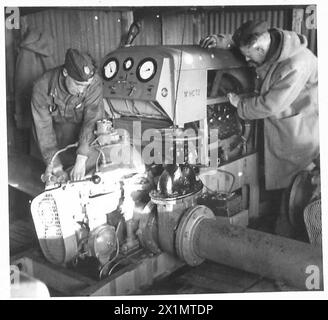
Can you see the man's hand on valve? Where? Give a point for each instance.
(233, 98)
(78, 171)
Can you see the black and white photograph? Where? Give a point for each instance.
(163, 150)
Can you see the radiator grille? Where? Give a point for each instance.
(51, 237)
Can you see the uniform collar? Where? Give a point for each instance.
(61, 82)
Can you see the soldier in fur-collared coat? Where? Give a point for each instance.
(287, 83)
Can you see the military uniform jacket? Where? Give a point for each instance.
(288, 103)
(61, 118)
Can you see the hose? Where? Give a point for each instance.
(74, 145)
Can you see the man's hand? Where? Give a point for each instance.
(233, 98)
(54, 175)
(61, 175)
(209, 42)
(78, 171)
(221, 41)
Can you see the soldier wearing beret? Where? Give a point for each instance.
(66, 103)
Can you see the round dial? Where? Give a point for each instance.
(110, 68)
(128, 64)
(146, 69)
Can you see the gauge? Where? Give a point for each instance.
(146, 69)
(110, 69)
(128, 64)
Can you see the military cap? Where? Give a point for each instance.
(79, 65)
(248, 32)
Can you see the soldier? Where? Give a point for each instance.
(287, 82)
(66, 103)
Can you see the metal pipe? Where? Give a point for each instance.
(265, 254)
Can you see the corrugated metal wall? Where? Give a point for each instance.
(95, 31)
(309, 31)
(151, 30)
(192, 26)
(11, 39)
(100, 31)
(311, 35)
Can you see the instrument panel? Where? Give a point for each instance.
(145, 71)
(172, 79)
(132, 77)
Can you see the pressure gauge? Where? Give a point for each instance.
(110, 68)
(146, 69)
(128, 64)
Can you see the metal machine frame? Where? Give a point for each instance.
(176, 91)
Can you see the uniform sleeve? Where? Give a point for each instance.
(281, 94)
(43, 123)
(93, 111)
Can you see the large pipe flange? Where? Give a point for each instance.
(184, 241)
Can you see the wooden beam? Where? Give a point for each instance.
(138, 272)
(135, 277)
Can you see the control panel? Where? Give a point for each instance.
(163, 81)
(124, 77)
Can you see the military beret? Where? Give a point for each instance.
(248, 32)
(80, 66)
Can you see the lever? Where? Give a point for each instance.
(133, 32)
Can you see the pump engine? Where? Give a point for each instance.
(169, 103)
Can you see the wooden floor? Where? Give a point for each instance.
(206, 278)
(211, 278)
(22, 236)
